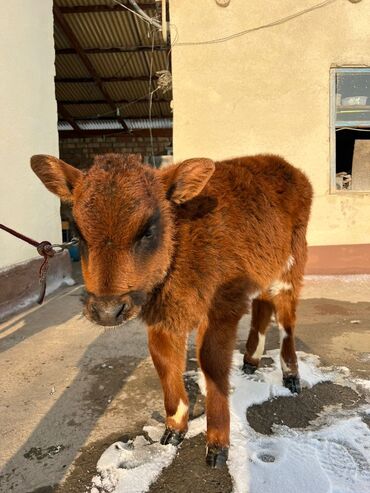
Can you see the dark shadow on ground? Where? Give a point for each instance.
(34, 321)
(75, 413)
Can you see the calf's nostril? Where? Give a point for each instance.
(94, 310)
(121, 310)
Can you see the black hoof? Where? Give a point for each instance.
(249, 369)
(172, 437)
(293, 384)
(216, 456)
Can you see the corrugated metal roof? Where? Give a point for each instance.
(99, 125)
(108, 30)
(62, 125)
(133, 124)
(86, 91)
(90, 110)
(70, 66)
(126, 64)
(145, 123)
(60, 40)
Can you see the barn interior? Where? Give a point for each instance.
(113, 82)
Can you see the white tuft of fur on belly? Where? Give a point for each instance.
(278, 286)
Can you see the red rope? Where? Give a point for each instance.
(44, 248)
(19, 235)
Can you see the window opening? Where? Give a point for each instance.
(351, 129)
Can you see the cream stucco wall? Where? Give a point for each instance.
(268, 91)
(28, 125)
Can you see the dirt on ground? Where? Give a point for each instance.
(301, 410)
(189, 472)
(69, 390)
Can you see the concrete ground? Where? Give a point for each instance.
(69, 388)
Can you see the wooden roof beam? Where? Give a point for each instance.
(82, 80)
(156, 132)
(64, 26)
(86, 9)
(113, 49)
(117, 102)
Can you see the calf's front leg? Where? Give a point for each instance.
(168, 351)
(215, 346)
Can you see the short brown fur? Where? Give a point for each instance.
(225, 235)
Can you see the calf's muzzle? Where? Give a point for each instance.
(112, 310)
(112, 314)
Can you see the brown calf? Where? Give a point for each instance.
(191, 246)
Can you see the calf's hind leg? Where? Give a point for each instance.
(215, 345)
(261, 316)
(168, 351)
(285, 307)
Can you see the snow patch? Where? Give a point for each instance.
(334, 459)
(330, 458)
(131, 467)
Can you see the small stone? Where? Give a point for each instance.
(355, 321)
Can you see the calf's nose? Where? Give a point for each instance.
(109, 314)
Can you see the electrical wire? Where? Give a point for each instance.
(152, 20)
(172, 44)
(124, 65)
(151, 97)
(133, 12)
(258, 28)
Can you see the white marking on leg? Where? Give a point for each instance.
(260, 347)
(283, 335)
(181, 411)
(254, 295)
(278, 286)
(284, 366)
(289, 263)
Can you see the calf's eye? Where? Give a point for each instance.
(148, 233)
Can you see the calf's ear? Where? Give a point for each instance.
(57, 176)
(189, 178)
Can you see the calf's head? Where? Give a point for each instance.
(123, 211)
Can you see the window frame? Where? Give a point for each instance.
(333, 128)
